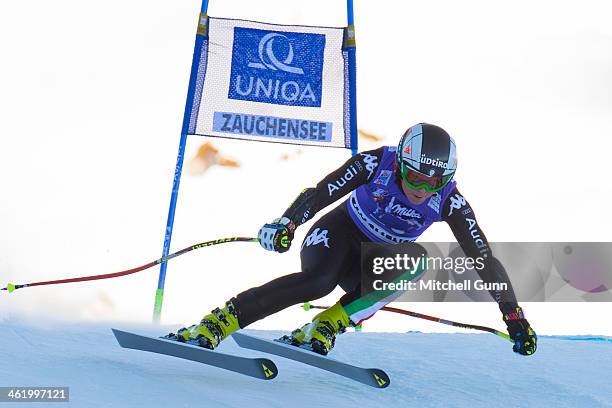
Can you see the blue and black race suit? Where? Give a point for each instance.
(376, 211)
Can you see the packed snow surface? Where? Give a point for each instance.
(426, 370)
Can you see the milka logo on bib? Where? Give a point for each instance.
(401, 211)
(282, 68)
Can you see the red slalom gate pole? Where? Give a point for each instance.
(12, 287)
(308, 306)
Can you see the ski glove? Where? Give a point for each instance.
(524, 337)
(277, 236)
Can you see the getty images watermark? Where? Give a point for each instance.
(408, 267)
(531, 271)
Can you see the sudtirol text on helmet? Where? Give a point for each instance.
(427, 149)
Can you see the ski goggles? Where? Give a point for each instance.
(417, 181)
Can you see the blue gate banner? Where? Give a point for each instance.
(273, 83)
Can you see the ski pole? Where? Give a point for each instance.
(308, 306)
(12, 287)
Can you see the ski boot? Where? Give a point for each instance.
(320, 335)
(213, 328)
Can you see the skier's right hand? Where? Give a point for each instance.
(277, 236)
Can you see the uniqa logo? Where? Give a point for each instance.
(275, 88)
(278, 67)
(266, 49)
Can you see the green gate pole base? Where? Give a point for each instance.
(159, 299)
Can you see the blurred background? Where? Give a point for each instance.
(91, 105)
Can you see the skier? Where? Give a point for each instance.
(396, 194)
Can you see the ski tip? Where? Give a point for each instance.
(121, 336)
(380, 379)
(117, 334)
(269, 371)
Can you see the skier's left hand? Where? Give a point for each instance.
(524, 337)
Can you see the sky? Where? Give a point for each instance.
(91, 104)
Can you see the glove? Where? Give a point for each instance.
(277, 236)
(524, 337)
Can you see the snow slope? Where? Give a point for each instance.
(426, 370)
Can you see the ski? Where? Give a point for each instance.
(373, 377)
(261, 368)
